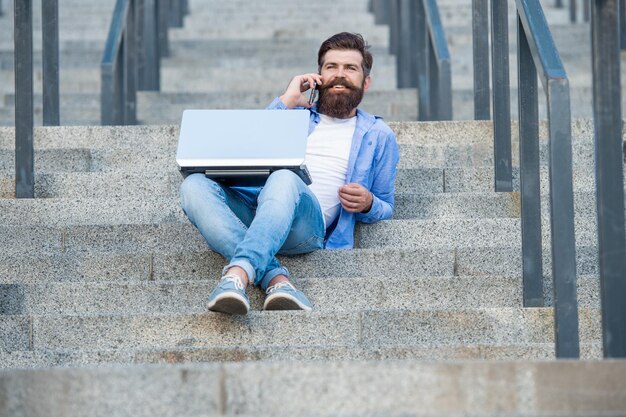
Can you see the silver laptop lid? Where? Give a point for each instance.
(242, 138)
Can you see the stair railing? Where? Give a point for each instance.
(24, 119)
(537, 55)
(118, 68)
(418, 40)
(131, 61)
(500, 84)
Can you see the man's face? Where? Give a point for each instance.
(343, 83)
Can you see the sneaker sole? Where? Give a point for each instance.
(229, 304)
(282, 302)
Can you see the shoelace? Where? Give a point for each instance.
(235, 280)
(279, 285)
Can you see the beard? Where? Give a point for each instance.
(339, 104)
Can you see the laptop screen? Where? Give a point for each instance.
(240, 143)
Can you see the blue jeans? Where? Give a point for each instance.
(249, 226)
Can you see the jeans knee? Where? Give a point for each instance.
(283, 179)
(192, 187)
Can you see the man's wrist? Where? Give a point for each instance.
(369, 207)
(289, 103)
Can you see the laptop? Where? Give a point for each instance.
(243, 147)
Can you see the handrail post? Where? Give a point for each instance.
(394, 23)
(24, 141)
(176, 14)
(50, 42)
(130, 68)
(162, 25)
(572, 11)
(480, 40)
(148, 41)
(562, 220)
(501, 96)
(405, 56)
(530, 193)
(607, 115)
(423, 77)
(622, 24)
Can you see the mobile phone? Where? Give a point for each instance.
(312, 96)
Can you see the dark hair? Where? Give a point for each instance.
(346, 40)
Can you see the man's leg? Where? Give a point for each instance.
(287, 217)
(288, 220)
(222, 217)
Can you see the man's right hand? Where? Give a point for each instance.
(292, 97)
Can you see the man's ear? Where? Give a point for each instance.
(368, 82)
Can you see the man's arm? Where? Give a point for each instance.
(383, 187)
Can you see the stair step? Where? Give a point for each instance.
(182, 355)
(164, 264)
(401, 234)
(508, 388)
(327, 295)
(373, 329)
(129, 138)
(412, 156)
(146, 208)
(116, 184)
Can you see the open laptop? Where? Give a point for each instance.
(243, 147)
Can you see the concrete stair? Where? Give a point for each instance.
(104, 265)
(395, 389)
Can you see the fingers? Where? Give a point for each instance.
(355, 198)
(309, 80)
(292, 97)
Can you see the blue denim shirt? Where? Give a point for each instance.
(372, 163)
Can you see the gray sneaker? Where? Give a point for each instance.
(284, 296)
(229, 297)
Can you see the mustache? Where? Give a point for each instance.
(338, 81)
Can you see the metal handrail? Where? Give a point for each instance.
(136, 42)
(609, 156)
(440, 72)
(418, 40)
(537, 55)
(118, 70)
(24, 117)
(500, 85)
(24, 148)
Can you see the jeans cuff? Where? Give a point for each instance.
(245, 265)
(265, 281)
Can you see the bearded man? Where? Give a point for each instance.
(352, 158)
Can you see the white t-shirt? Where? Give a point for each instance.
(327, 154)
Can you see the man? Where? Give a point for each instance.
(352, 158)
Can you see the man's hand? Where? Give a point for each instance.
(355, 198)
(292, 97)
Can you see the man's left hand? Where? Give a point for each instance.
(355, 198)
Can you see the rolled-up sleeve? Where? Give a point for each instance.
(383, 184)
